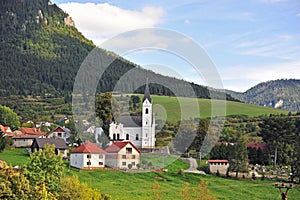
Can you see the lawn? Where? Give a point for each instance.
(177, 108)
(15, 156)
(127, 186)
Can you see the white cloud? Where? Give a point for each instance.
(276, 46)
(99, 22)
(298, 15)
(187, 21)
(241, 78)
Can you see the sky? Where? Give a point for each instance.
(248, 41)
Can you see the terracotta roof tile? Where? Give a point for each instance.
(217, 161)
(117, 146)
(32, 131)
(88, 147)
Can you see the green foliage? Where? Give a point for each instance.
(73, 189)
(9, 118)
(45, 167)
(14, 185)
(3, 141)
(238, 155)
(201, 193)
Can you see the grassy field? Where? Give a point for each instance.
(172, 106)
(127, 186)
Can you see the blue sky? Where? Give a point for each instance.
(249, 41)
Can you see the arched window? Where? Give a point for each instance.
(118, 136)
(147, 111)
(114, 136)
(127, 136)
(137, 137)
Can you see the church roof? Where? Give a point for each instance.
(131, 121)
(147, 92)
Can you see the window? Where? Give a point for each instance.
(100, 156)
(127, 136)
(133, 163)
(89, 156)
(114, 136)
(128, 150)
(100, 163)
(123, 163)
(147, 110)
(133, 156)
(58, 134)
(88, 163)
(137, 137)
(123, 156)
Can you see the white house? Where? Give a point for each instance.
(139, 130)
(216, 166)
(60, 132)
(87, 156)
(123, 155)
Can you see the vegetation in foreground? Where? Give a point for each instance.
(173, 184)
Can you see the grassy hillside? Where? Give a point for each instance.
(37, 108)
(127, 186)
(172, 108)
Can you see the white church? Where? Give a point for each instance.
(139, 130)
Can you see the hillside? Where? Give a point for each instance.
(283, 94)
(41, 51)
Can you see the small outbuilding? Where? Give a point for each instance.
(60, 146)
(216, 166)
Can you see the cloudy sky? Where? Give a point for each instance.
(248, 41)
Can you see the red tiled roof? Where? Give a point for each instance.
(262, 146)
(32, 131)
(88, 147)
(25, 136)
(117, 146)
(217, 161)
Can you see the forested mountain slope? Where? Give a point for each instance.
(283, 94)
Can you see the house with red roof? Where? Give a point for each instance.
(24, 140)
(31, 131)
(216, 166)
(6, 130)
(24, 136)
(60, 132)
(87, 156)
(123, 155)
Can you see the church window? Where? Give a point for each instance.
(118, 136)
(137, 137)
(147, 111)
(127, 136)
(114, 136)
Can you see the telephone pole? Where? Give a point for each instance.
(281, 187)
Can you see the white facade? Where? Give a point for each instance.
(60, 132)
(140, 130)
(87, 160)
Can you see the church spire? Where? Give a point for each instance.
(147, 92)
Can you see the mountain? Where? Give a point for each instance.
(41, 51)
(283, 94)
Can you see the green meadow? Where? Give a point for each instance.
(177, 108)
(129, 185)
